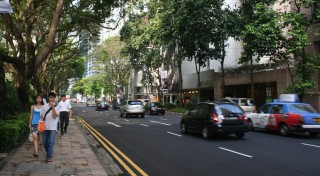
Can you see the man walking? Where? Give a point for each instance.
(49, 114)
(65, 113)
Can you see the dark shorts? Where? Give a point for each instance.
(34, 128)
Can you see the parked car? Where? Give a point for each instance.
(247, 104)
(155, 108)
(132, 107)
(211, 118)
(286, 117)
(102, 105)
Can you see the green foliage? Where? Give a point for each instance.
(304, 77)
(115, 67)
(169, 106)
(90, 86)
(261, 31)
(13, 130)
(143, 45)
(179, 110)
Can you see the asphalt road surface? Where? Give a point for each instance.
(156, 145)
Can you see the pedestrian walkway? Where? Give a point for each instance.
(72, 156)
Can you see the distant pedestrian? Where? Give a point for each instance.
(33, 123)
(65, 113)
(49, 113)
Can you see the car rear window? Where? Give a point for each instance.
(225, 109)
(246, 102)
(301, 108)
(155, 104)
(134, 102)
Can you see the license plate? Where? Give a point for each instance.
(317, 120)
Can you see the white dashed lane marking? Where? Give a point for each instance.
(126, 120)
(232, 151)
(160, 123)
(111, 123)
(311, 145)
(174, 134)
(163, 119)
(144, 125)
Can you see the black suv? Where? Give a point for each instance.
(215, 118)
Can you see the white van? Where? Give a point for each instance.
(247, 104)
(91, 101)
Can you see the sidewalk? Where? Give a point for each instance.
(73, 156)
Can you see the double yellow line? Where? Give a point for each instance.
(109, 146)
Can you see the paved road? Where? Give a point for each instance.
(156, 145)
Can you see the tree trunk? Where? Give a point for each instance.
(3, 93)
(222, 72)
(251, 78)
(21, 86)
(180, 83)
(198, 67)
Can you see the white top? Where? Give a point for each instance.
(64, 106)
(50, 122)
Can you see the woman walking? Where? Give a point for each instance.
(33, 123)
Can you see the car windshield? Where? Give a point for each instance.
(226, 109)
(134, 103)
(301, 108)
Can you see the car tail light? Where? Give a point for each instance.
(301, 120)
(245, 118)
(214, 117)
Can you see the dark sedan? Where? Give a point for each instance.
(215, 118)
(155, 108)
(102, 106)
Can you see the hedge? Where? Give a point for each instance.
(13, 129)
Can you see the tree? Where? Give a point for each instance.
(115, 67)
(261, 33)
(142, 45)
(190, 24)
(225, 26)
(38, 27)
(64, 64)
(303, 65)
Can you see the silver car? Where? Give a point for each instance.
(132, 107)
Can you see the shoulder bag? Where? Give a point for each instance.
(41, 125)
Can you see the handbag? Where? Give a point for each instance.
(30, 136)
(41, 124)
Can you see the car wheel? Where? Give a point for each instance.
(314, 134)
(239, 135)
(284, 129)
(121, 115)
(250, 124)
(206, 133)
(162, 113)
(142, 115)
(127, 115)
(184, 129)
